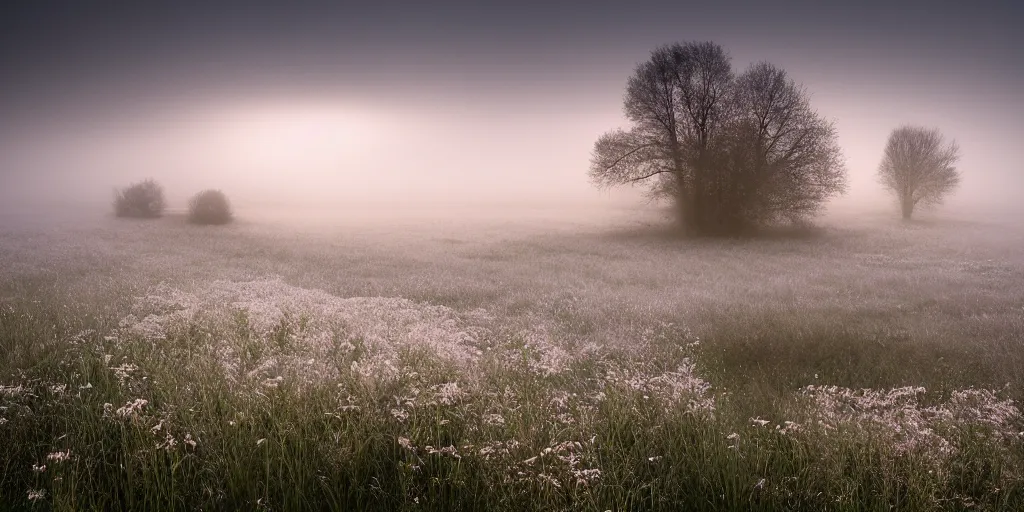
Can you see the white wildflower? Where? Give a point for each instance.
(788, 427)
(586, 476)
(124, 372)
(59, 456)
(548, 479)
(494, 420)
(131, 409)
(448, 393)
(446, 450)
(168, 443)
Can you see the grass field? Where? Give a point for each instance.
(528, 361)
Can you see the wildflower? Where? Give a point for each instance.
(448, 393)
(788, 427)
(59, 456)
(404, 442)
(131, 408)
(446, 450)
(124, 371)
(494, 420)
(732, 437)
(189, 441)
(586, 476)
(36, 495)
(759, 422)
(548, 479)
(38, 469)
(400, 414)
(168, 444)
(261, 441)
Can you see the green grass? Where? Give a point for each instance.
(558, 366)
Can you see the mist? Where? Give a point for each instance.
(354, 255)
(289, 111)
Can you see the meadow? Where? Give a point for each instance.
(524, 360)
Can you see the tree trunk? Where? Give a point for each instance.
(908, 208)
(698, 205)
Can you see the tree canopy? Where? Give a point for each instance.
(730, 151)
(919, 167)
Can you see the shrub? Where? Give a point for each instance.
(144, 199)
(209, 207)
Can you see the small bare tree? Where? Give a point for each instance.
(919, 167)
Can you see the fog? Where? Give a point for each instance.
(275, 118)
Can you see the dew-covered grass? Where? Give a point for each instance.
(544, 363)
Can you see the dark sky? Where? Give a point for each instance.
(529, 72)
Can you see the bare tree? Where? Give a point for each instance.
(919, 167)
(792, 162)
(729, 151)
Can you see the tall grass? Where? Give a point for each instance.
(266, 396)
(868, 367)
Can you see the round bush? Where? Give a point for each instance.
(209, 207)
(144, 199)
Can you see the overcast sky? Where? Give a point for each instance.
(462, 100)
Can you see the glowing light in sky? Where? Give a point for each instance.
(272, 137)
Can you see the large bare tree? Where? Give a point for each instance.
(730, 151)
(676, 102)
(919, 167)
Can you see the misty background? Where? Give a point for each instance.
(459, 103)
